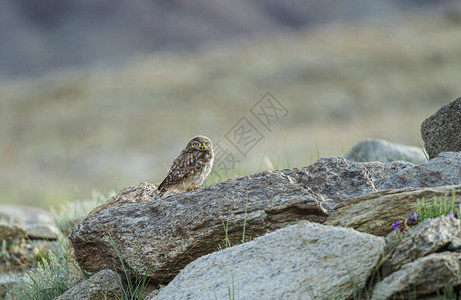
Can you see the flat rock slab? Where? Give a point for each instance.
(445, 169)
(37, 222)
(21, 214)
(374, 213)
(41, 231)
(424, 276)
(336, 180)
(303, 261)
(441, 131)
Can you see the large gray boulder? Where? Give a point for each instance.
(384, 151)
(303, 261)
(441, 131)
(169, 233)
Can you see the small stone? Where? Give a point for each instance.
(104, 285)
(384, 151)
(42, 231)
(21, 214)
(455, 245)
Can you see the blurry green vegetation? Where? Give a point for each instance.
(108, 127)
(439, 207)
(49, 280)
(70, 213)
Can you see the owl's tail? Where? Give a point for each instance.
(161, 189)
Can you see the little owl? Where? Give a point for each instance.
(190, 168)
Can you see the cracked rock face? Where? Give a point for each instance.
(374, 213)
(421, 264)
(169, 233)
(441, 131)
(424, 276)
(428, 237)
(303, 261)
(164, 235)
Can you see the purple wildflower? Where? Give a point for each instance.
(396, 225)
(412, 219)
(451, 215)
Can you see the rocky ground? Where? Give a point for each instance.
(338, 228)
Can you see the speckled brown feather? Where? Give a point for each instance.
(189, 169)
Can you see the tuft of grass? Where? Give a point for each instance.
(49, 280)
(4, 253)
(70, 213)
(226, 232)
(439, 207)
(134, 287)
(448, 293)
(424, 151)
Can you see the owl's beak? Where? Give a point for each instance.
(202, 148)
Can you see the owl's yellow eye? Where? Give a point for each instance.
(206, 143)
(195, 144)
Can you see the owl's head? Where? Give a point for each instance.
(200, 143)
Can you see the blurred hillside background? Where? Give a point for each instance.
(97, 94)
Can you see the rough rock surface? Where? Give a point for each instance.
(303, 261)
(104, 285)
(428, 237)
(175, 230)
(424, 276)
(384, 151)
(131, 194)
(374, 213)
(441, 131)
(443, 170)
(171, 232)
(335, 179)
